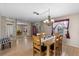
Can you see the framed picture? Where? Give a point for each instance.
(62, 27)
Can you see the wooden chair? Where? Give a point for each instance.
(38, 49)
(51, 50)
(58, 45)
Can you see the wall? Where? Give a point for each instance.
(2, 25)
(38, 25)
(47, 29)
(73, 30)
(43, 27)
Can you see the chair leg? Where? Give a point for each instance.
(51, 52)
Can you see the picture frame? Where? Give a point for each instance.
(62, 26)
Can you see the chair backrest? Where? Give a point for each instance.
(58, 44)
(36, 39)
(36, 44)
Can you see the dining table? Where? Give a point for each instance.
(48, 40)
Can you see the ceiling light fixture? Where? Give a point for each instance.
(48, 21)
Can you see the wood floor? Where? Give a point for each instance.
(70, 50)
(23, 47)
(20, 47)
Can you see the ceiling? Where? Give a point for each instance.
(24, 11)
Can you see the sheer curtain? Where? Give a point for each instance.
(9, 30)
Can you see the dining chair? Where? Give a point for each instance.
(51, 49)
(58, 45)
(39, 49)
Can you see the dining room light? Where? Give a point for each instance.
(49, 21)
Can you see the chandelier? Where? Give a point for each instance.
(49, 21)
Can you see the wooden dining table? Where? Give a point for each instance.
(48, 41)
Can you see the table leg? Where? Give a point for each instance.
(47, 50)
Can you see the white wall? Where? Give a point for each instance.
(38, 25)
(47, 29)
(43, 27)
(2, 25)
(28, 28)
(73, 30)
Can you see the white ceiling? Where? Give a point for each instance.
(24, 11)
